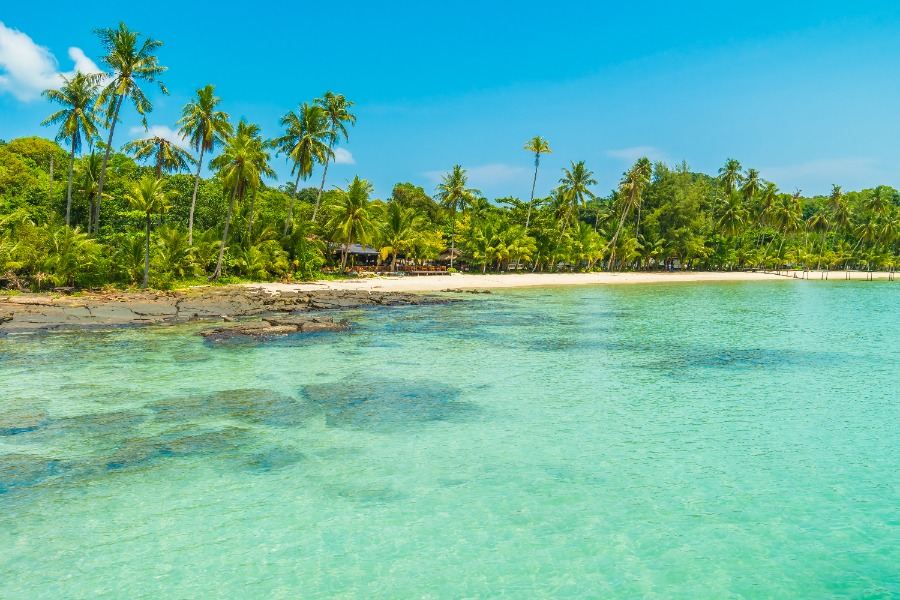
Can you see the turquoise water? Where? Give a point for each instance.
(670, 441)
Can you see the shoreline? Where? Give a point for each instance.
(35, 313)
(468, 282)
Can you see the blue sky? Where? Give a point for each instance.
(807, 92)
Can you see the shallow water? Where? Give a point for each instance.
(692, 441)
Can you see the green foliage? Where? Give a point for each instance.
(125, 223)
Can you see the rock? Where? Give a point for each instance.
(23, 470)
(275, 326)
(31, 313)
(21, 420)
(322, 325)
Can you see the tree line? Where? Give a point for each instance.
(144, 214)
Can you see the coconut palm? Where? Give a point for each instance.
(351, 216)
(398, 231)
(205, 127)
(165, 155)
(307, 140)
(242, 165)
(631, 191)
(732, 215)
(148, 196)
(574, 185)
(751, 185)
(337, 111)
(87, 176)
(130, 61)
(77, 119)
(730, 175)
(537, 146)
(453, 194)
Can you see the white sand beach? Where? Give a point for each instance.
(467, 281)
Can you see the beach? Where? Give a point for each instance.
(22, 313)
(467, 281)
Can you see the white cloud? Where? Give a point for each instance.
(163, 131)
(27, 69)
(487, 175)
(636, 152)
(343, 157)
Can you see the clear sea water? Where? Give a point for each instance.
(659, 441)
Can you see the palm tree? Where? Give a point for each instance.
(165, 155)
(731, 216)
(453, 195)
(304, 143)
(730, 175)
(76, 119)
(574, 193)
(631, 191)
(574, 185)
(351, 218)
(242, 165)
(149, 197)
(88, 176)
(205, 127)
(398, 231)
(751, 185)
(337, 111)
(130, 62)
(536, 145)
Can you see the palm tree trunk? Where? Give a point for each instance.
(290, 217)
(344, 252)
(218, 272)
(533, 186)
(146, 255)
(322, 185)
(637, 222)
(452, 237)
(250, 219)
(394, 262)
(194, 197)
(106, 153)
(90, 216)
(530, 202)
(615, 239)
(69, 185)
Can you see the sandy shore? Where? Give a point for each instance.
(46, 312)
(460, 281)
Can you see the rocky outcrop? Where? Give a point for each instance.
(33, 312)
(274, 327)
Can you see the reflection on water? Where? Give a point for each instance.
(703, 441)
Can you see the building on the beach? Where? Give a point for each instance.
(357, 254)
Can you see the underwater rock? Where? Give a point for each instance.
(139, 451)
(274, 459)
(261, 406)
(383, 404)
(21, 420)
(102, 423)
(23, 470)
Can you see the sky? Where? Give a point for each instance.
(806, 92)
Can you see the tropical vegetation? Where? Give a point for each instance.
(146, 213)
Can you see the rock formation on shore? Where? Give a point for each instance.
(33, 312)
